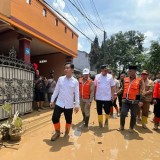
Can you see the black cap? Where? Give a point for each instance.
(104, 66)
(132, 67)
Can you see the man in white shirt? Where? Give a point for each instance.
(66, 92)
(104, 94)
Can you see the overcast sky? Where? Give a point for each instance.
(116, 15)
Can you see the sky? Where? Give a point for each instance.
(116, 15)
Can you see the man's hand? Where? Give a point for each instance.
(76, 109)
(113, 98)
(140, 104)
(52, 104)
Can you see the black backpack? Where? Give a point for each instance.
(40, 86)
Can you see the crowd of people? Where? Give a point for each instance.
(43, 87)
(130, 93)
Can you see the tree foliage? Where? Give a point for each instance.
(94, 53)
(152, 62)
(120, 50)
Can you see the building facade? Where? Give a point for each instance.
(31, 32)
(82, 61)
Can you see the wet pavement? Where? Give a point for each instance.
(88, 144)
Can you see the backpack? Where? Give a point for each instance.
(40, 86)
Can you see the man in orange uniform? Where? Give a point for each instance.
(156, 101)
(132, 97)
(148, 93)
(86, 87)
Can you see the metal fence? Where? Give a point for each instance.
(16, 84)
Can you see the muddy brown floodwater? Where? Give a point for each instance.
(83, 144)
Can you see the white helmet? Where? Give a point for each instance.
(86, 71)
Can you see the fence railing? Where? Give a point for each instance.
(16, 84)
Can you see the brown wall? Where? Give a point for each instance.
(30, 16)
(54, 61)
(5, 7)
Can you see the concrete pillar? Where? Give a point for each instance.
(24, 48)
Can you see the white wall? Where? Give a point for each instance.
(82, 61)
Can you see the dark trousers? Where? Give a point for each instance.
(57, 114)
(49, 95)
(157, 109)
(115, 103)
(120, 101)
(124, 111)
(106, 105)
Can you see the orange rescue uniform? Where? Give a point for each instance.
(84, 88)
(131, 89)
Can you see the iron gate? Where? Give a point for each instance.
(16, 84)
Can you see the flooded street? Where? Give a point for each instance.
(92, 144)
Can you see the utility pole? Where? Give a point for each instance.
(104, 60)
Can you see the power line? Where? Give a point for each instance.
(68, 21)
(97, 12)
(86, 19)
(74, 18)
(85, 15)
(83, 10)
(94, 13)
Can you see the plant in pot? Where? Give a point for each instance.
(15, 130)
(12, 128)
(5, 127)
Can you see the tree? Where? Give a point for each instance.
(94, 53)
(152, 63)
(119, 51)
(123, 49)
